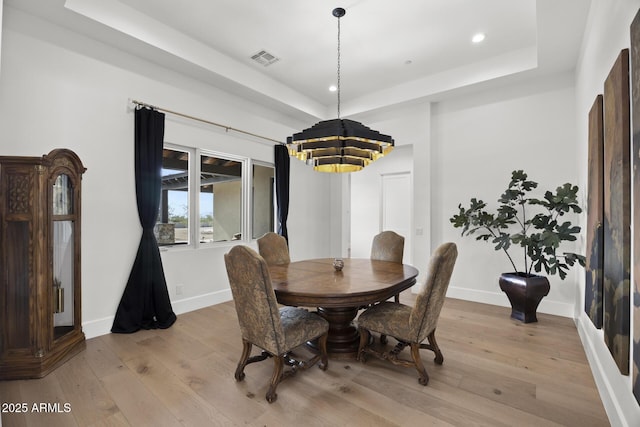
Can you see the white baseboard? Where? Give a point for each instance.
(195, 303)
(605, 382)
(500, 299)
(475, 295)
(95, 328)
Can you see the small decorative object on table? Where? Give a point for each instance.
(338, 263)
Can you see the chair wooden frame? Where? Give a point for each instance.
(411, 326)
(276, 330)
(393, 354)
(279, 361)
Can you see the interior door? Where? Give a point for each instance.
(396, 208)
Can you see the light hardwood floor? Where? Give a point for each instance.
(496, 372)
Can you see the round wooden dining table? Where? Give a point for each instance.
(338, 295)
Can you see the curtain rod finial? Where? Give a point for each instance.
(131, 105)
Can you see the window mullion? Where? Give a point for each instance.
(247, 181)
(194, 199)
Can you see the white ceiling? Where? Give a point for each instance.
(390, 54)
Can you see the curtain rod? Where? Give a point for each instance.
(225, 127)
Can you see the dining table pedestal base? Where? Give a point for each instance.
(343, 339)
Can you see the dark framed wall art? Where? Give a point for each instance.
(635, 103)
(617, 212)
(595, 212)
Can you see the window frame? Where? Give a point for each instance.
(194, 185)
(190, 225)
(244, 161)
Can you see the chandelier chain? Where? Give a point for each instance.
(338, 83)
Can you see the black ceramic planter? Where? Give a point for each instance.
(525, 293)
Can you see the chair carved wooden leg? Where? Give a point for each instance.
(246, 351)
(433, 346)
(278, 366)
(324, 358)
(364, 340)
(415, 355)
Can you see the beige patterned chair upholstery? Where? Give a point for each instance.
(388, 246)
(274, 249)
(410, 326)
(276, 331)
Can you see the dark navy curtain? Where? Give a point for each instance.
(145, 302)
(282, 161)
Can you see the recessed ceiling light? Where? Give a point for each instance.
(478, 38)
(333, 88)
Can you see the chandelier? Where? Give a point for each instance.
(339, 145)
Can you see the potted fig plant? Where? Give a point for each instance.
(532, 224)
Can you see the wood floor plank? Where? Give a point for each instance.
(11, 394)
(101, 358)
(90, 402)
(115, 420)
(422, 401)
(182, 401)
(137, 403)
(340, 381)
(36, 393)
(496, 372)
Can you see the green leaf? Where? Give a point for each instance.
(502, 241)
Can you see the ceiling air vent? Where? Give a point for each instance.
(264, 58)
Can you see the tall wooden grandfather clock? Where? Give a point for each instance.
(40, 313)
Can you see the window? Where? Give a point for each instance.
(215, 199)
(220, 199)
(173, 220)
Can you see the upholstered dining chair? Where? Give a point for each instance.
(388, 246)
(276, 331)
(274, 249)
(411, 325)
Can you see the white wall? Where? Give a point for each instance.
(607, 33)
(60, 89)
(478, 140)
(1, 8)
